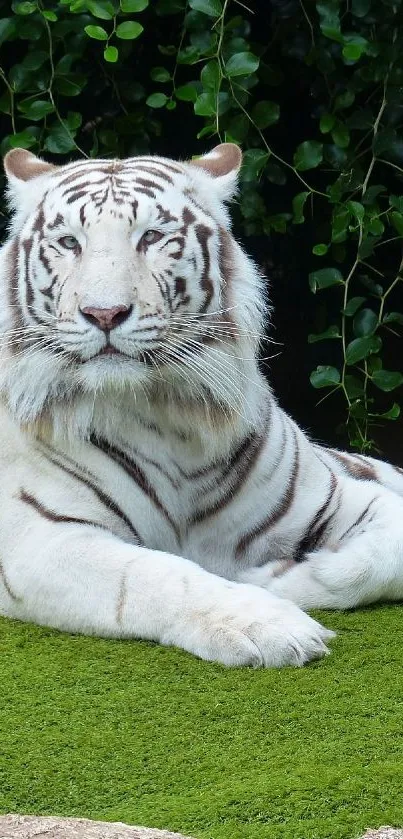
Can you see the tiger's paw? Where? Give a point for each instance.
(250, 627)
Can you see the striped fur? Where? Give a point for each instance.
(150, 485)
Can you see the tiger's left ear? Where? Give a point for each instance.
(223, 164)
(21, 166)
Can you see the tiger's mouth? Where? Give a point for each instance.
(109, 350)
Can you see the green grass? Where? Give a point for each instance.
(134, 732)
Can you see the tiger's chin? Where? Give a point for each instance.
(111, 369)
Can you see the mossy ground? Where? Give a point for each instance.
(134, 732)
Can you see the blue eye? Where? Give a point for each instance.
(69, 242)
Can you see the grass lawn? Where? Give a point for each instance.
(133, 732)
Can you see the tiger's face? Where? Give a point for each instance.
(117, 269)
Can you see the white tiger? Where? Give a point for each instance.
(150, 485)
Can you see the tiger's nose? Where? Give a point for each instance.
(106, 319)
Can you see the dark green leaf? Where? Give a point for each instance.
(376, 226)
(241, 64)
(7, 28)
(111, 54)
(133, 5)
(341, 218)
(387, 380)
(277, 222)
(275, 174)
(59, 141)
(23, 140)
(372, 193)
(156, 100)
(368, 282)
(354, 47)
(73, 120)
(96, 32)
(365, 323)
(308, 155)
(210, 76)
(324, 278)
(341, 135)
(103, 10)
(320, 250)
(186, 92)
(330, 332)
(265, 113)
(205, 104)
(129, 30)
(237, 129)
(35, 59)
(392, 414)
(352, 306)
(23, 8)
(396, 201)
(367, 246)
(212, 8)
(189, 55)
(393, 317)
(298, 203)
(36, 109)
(356, 209)
(344, 100)
(253, 162)
(329, 20)
(325, 376)
(354, 386)
(326, 123)
(160, 74)
(70, 85)
(397, 221)
(360, 348)
(360, 8)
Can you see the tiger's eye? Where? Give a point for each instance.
(151, 236)
(69, 242)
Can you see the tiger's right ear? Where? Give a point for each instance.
(21, 166)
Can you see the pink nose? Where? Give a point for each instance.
(106, 319)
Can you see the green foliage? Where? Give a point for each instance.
(312, 90)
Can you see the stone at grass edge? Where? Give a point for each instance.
(383, 833)
(50, 827)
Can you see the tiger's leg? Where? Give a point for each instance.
(360, 561)
(81, 578)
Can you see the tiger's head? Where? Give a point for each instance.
(121, 275)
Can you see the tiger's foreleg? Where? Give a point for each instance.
(360, 560)
(81, 578)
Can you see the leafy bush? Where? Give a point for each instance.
(312, 89)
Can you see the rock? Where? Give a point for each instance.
(50, 827)
(382, 833)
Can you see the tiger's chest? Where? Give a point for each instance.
(175, 500)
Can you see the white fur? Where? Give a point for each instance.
(191, 584)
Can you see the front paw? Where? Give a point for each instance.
(247, 626)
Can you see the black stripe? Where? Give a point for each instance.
(40, 508)
(358, 521)
(6, 584)
(241, 463)
(105, 499)
(279, 511)
(137, 474)
(361, 471)
(317, 528)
